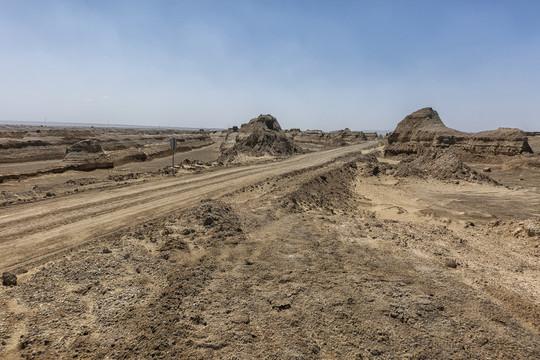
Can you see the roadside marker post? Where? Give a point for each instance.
(173, 148)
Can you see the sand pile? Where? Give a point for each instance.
(87, 155)
(425, 129)
(261, 136)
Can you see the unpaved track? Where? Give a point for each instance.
(30, 233)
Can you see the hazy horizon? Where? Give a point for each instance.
(312, 64)
(100, 125)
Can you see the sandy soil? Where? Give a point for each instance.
(307, 258)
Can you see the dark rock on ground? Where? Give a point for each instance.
(451, 263)
(208, 221)
(9, 279)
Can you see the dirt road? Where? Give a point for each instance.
(33, 232)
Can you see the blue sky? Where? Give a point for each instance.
(312, 64)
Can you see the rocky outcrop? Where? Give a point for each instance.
(261, 136)
(425, 129)
(87, 155)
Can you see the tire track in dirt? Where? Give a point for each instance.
(32, 232)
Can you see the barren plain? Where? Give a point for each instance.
(339, 252)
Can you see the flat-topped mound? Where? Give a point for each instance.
(332, 138)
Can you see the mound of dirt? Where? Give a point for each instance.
(425, 129)
(211, 224)
(87, 155)
(261, 136)
(330, 192)
(439, 164)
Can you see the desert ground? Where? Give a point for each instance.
(270, 244)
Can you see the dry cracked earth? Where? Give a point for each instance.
(335, 259)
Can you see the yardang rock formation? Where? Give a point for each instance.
(425, 129)
(261, 136)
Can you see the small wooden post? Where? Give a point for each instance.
(173, 148)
